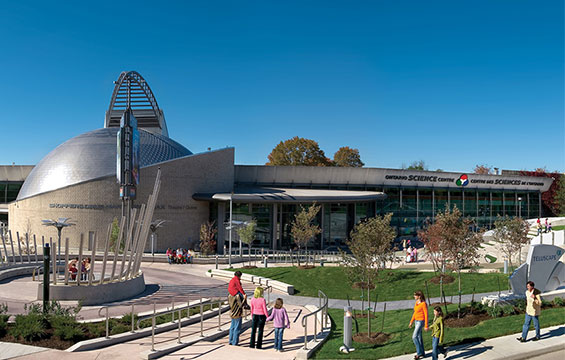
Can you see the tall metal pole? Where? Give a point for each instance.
(231, 213)
(46, 260)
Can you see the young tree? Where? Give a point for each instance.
(207, 237)
(432, 238)
(460, 243)
(511, 234)
(247, 234)
(303, 229)
(483, 170)
(371, 247)
(298, 151)
(347, 157)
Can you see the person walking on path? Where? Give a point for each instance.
(281, 321)
(420, 318)
(236, 311)
(235, 289)
(533, 310)
(437, 334)
(259, 316)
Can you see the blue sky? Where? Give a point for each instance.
(455, 83)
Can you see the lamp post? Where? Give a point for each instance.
(59, 224)
(520, 207)
(230, 229)
(156, 224)
(347, 330)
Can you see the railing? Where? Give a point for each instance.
(323, 309)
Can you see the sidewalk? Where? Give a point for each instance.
(507, 347)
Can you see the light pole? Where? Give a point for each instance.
(59, 224)
(520, 207)
(230, 229)
(156, 224)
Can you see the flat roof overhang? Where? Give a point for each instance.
(291, 195)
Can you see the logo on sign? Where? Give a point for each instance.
(463, 180)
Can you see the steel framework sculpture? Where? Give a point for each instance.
(131, 88)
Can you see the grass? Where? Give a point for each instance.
(396, 324)
(392, 285)
(560, 227)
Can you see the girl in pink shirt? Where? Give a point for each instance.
(281, 321)
(259, 315)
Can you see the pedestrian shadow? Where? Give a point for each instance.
(468, 351)
(560, 331)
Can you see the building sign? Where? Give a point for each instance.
(115, 206)
(405, 178)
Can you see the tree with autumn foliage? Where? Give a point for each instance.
(371, 247)
(347, 157)
(459, 244)
(208, 237)
(550, 197)
(511, 234)
(432, 238)
(303, 229)
(483, 170)
(560, 196)
(298, 152)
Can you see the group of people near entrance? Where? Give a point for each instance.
(260, 315)
(84, 268)
(420, 321)
(411, 252)
(543, 228)
(180, 256)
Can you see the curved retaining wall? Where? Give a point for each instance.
(96, 294)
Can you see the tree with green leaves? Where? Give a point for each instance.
(208, 232)
(298, 152)
(347, 157)
(416, 165)
(510, 234)
(371, 247)
(460, 243)
(303, 229)
(247, 234)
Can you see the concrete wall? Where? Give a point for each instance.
(94, 204)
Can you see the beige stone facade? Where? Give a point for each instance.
(93, 205)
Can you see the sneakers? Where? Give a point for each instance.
(521, 339)
(444, 353)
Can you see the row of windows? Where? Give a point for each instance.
(411, 209)
(9, 191)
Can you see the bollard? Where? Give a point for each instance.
(505, 266)
(347, 326)
(178, 341)
(219, 316)
(265, 262)
(216, 262)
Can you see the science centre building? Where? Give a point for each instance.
(77, 180)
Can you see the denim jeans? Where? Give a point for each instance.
(526, 326)
(279, 338)
(258, 322)
(235, 329)
(436, 348)
(417, 337)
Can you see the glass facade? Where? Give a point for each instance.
(9, 191)
(411, 208)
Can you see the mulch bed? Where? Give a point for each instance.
(249, 267)
(378, 338)
(51, 341)
(305, 267)
(447, 279)
(467, 320)
(362, 285)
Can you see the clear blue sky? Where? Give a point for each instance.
(455, 83)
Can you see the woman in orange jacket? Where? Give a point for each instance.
(420, 317)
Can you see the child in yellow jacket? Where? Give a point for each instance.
(437, 334)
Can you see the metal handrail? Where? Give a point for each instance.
(324, 309)
(171, 311)
(107, 320)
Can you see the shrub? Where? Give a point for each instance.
(29, 327)
(119, 328)
(558, 301)
(3, 308)
(3, 326)
(545, 303)
(126, 319)
(520, 305)
(508, 310)
(69, 332)
(495, 311)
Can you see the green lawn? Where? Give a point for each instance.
(560, 227)
(393, 284)
(396, 324)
